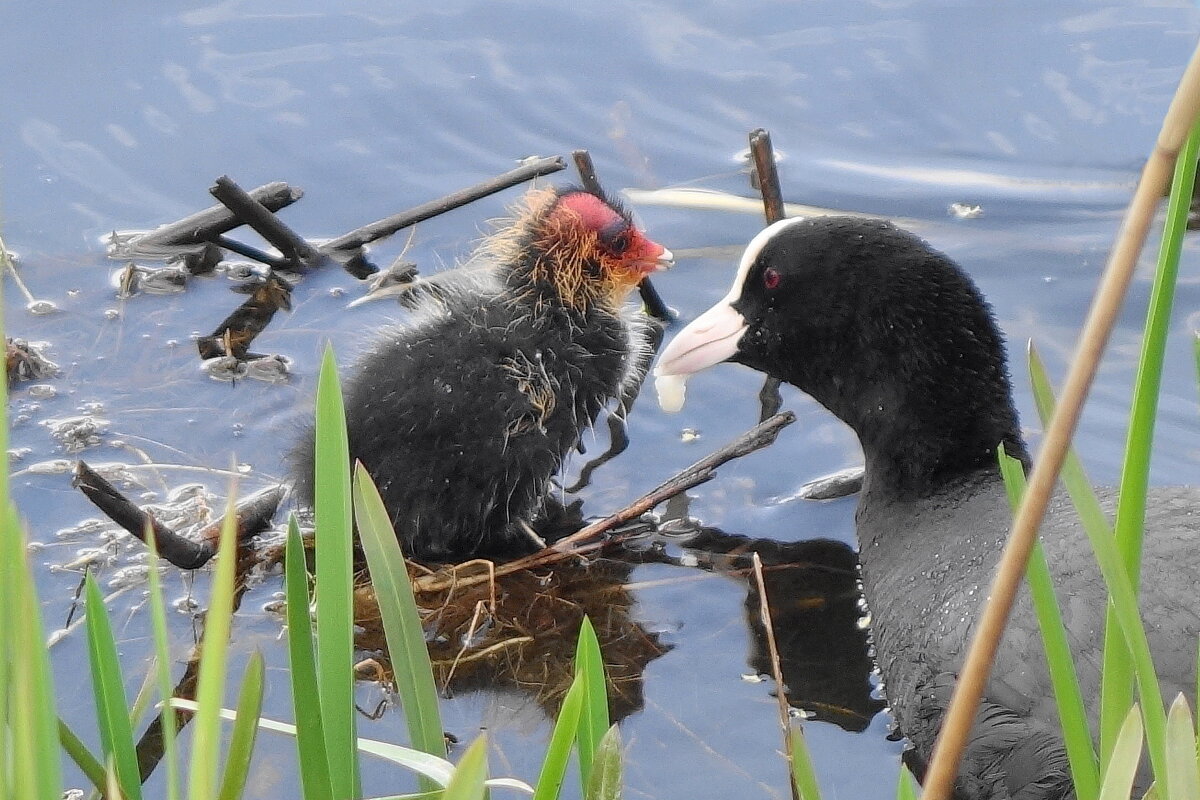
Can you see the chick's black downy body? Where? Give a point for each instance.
(464, 413)
(895, 339)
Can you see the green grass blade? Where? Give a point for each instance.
(1196, 353)
(906, 785)
(9, 563)
(29, 758)
(87, 762)
(439, 769)
(1122, 766)
(210, 689)
(112, 711)
(605, 783)
(1072, 713)
(1131, 507)
(30, 716)
(468, 780)
(335, 576)
(558, 751)
(401, 620)
(1135, 473)
(1123, 600)
(241, 742)
(1116, 675)
(593, 721)
(162, 649)
(804, 775)
(1184, 781)
(310, 737)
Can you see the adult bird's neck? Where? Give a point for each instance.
(919, 432)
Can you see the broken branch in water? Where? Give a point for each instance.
(581, 541)
(265, 223)
(765, 175)
(389, 225)
(252, 516)
(213, 221)
(235, 333)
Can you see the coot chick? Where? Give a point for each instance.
(896, 340)
(464, 414)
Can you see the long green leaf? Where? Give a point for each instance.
(218, 621)
(1135, 472)
(241, 743)
(1116, 674)
(34, 723)
(470, 774)
(593, 720)
(1123, 599)
(335, 576)
(439, 769)
(112, 711)
(162, 663)
(906, 785)
(804, 775)
(1184, 781)
(306, 702)
(558, 752)
(9, 564)
(605, 783)
(401, 620)
(1072, 713)
(87, 762)
(1123, 763)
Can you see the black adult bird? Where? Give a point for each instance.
(896, 340)
(464, 415)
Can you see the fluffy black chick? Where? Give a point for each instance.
(464, 413)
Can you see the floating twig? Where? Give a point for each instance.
(253, 253)
(389, 225)
(651, 300)
(581, 542)
(785, 716)
(587, 171)
(235, 333)
(211, 222)
(23, 362)
(265, 223)
(252, 516)
(767, 175)
(180, 551)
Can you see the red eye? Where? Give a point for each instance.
(771, 278)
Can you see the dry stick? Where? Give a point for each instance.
(389, 225)
(651, 299)
(785, 716)
(587, 170)
(769, 398)
(703, 470)
(252, 516)
(215, 220)
(253, 253)
(1156, 174)
(265, 223)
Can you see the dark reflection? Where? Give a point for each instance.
(519, 631)
(814, 600)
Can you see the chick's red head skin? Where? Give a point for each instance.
(591, 250)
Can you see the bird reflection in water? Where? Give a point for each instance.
(526, 643)
(816, 613)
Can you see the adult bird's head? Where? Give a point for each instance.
(578, 247)
(887, 333)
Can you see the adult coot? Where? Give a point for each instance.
(896, 340)
(464, 414)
